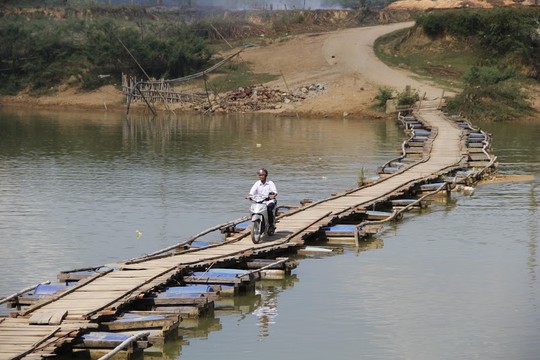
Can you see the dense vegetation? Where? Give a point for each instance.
(43, 53)
(507, 37)
(499, 52)
(491, 93)
(41, 48)
(226, 4)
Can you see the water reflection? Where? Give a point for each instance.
(260, 302)
(369, 244)
(140, 129)
(267, 312)
(456, 280)
(533, 226)
(85, 183)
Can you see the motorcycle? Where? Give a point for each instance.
(259, 218)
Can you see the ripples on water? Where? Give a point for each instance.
(457, 281)
(75, 188)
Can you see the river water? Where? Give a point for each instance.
(456, 281)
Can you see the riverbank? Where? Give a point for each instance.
(343, 61)
(107, 98)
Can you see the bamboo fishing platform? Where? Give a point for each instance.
(442, 153)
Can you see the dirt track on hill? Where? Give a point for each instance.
(343, 61)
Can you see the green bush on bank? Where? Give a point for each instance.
(508, 36)
(507, 45)
(382, 97)
(490, 93)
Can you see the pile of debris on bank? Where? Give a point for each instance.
(163, 94)
(255, 98)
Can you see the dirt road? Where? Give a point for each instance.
(343, 61)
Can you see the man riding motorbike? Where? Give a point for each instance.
(265, 187)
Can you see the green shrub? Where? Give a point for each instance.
(432, 25)
(382, 97)
(408, 97)
(507, 35)
(43, 53)
(486, 76)
(490, 94)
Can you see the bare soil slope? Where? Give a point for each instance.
(343, 61)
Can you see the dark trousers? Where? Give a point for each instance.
(271, 206)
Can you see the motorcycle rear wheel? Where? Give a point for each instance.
(257, 231)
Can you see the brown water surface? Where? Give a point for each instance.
(456, 281)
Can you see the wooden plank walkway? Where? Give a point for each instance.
(44, 326)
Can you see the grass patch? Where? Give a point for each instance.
(236, 75)
(435, 62)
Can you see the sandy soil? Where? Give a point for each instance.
(107, 98)
(343, 61)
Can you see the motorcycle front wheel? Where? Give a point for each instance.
(257, 232)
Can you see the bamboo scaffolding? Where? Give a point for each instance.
(162, 90)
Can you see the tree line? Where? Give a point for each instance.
(225, 4)
(40, 54)
(504, 35)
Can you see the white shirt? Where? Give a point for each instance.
(263, 189)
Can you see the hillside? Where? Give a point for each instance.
(424, 5)
(351, 75)
(311, 47)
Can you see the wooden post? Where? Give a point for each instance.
(441, 101)
(207, 95)
(356, 233)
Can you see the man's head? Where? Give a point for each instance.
(262, 173)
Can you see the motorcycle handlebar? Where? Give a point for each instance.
(257, 198)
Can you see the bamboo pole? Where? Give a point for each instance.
(281, 261)
(394, 213)
(441, 100)
(6, 299)
(189, 241)
(146, 101)
(288, 90)
(124, 344)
